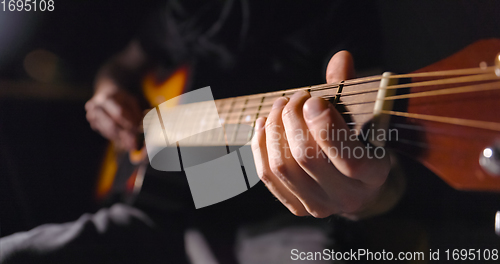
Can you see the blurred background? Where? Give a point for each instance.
(49, 156)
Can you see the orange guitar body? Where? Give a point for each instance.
(155, 91)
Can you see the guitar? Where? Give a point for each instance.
(155, 91)
(447, 115)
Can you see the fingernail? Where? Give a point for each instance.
(259, 123)
(280, 102)
(314, 107)
(300, 94)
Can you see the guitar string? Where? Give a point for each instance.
(332, 86)
(476, 88)
(482, 77)
(348, 83)
(243, 141)
(451, 120)
(371, 79)
(479, 124)
(442, 119)
(454, 121)
(417, 127)
(475, 78)
(447, 91)
(197, 140)
(209, 140)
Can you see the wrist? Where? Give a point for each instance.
(386, 197)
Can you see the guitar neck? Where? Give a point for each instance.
(233, 121)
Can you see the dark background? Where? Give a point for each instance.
(49, 156)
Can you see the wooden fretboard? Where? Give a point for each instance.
(237, 115)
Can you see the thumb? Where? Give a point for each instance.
(340, 67)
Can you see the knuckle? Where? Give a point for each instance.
(271, 123)
(279, 168)
(302, 159)
(289, 112)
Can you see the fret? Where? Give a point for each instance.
(191, 114)
(249, 115)
(350, 95)
(210, 121)
(224, 108)
(250, 135)
(254, 104)
(246, 121)
(188, 120)
(224, 121)
(261, 101)
(181, 129)
(242, 112)
(215, 135)
(324, 92)
(177, 127)
(198, 121)
(266, 106)
(233, 119)
(339, 92)
(169, 117)
(243, 131)
(218, 138)
(209, 136)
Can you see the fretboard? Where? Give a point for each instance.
(234, 121)
(231, 121)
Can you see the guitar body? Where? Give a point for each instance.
(123, 172)
(449, 150)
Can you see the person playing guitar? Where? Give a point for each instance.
(152, 229)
